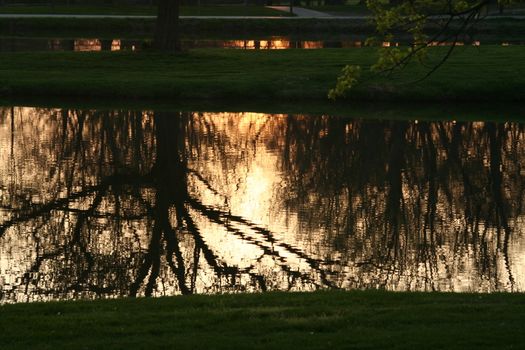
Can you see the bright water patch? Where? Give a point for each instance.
(14, 44)
(97, 203)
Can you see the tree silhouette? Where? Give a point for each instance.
(129, 203)
(124, 185)
(167, 26)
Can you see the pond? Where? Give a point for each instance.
(14, 44)
(108, 203)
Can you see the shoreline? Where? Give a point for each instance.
(505, 28)
(471, 75)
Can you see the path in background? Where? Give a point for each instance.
(301, 12)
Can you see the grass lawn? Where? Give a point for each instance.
(471, 74)
(494, 30)
(203, 27)
(205, 10)
(355, 7)
(321, 320)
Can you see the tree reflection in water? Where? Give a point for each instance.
(98, 203)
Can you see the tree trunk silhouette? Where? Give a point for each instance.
(167, 28)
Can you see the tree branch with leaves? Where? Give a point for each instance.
(427, 23)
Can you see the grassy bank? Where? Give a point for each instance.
(471, 74)
(139, 27)
(494, 29)
(409, 110)
(137, 10)
(371, 320)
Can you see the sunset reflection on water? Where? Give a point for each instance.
(266, 43)
(115, 203)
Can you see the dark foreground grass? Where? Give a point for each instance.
(488, 72)
(322, 320)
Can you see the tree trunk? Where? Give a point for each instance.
(167, 28)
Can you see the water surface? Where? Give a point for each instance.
(106, 203)
(14, 44)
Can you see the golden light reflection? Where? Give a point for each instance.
(87, 45)
(93, 204)
(271, 44)
(312, 45)
(449, 43)
(115, 45)
(389, 44)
